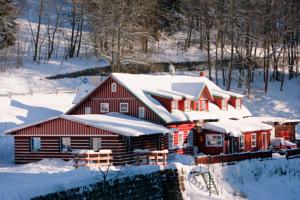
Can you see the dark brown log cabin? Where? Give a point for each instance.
(81, 135)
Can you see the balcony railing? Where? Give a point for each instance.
(147, 157)
(91, 158)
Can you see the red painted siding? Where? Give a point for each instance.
(103, 94)
(286, 131)
(51, 131)
(218, 102)
(165, 102)
(232, 101)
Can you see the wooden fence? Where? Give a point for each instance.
(292, 153)
(146, 157)
(227, 158)
(92, 159)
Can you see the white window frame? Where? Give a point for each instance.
(198, 106)
(101, 108)
(224, 104)
(174, 105)
(87, 110)
(253, 141)
(238, 103)
(93, 140)
(191, 138)
(187, 105)
(62, 145)
(171, 140)
(36, 144)
(142, 112)
(124, 104)
(242, 141)
(203, 105)
(208, 137)
(180, 138)
(113, 87)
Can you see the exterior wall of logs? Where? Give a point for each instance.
(80, 135)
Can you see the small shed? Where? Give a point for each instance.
(233, 136)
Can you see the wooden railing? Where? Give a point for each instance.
(91, 158)
(292, 153)
(147, 157)
(227, 158)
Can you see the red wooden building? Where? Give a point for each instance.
(58, 137)
(183, 105)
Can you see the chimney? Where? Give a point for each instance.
(202, 73)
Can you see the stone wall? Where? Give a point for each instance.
(166, 184)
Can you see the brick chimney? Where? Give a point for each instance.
(202, 73)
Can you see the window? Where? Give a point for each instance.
(65, 144)
(203, 105)
(87, 110)
(238, 103)
(253, 140)
(187, 105)
(197, 105)
(123, 107)
(35, 144)
(171, 140)
(224, 105)
(174, 105)
(95, 144)
(141, 112)
(128, 144)
(214, 140)
(190, 138)
(104, 107)
(242, 142)
(113, 87)
(180, 139)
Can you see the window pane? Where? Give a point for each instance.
(96, 144)
(66, 144)
(123, 107)
(36, 144)
(141, 112)
(104, 107)
(171, 140)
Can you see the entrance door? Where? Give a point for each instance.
(234, 145)
(264, 141)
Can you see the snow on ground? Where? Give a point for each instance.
(276, 178)
(29, 180)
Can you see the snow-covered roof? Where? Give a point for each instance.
(219, 93)
(119, 123)
(82, 91)
(236, 128)
(280, 120)
(115, 122)
(175, 85)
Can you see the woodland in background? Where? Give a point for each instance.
(235, 34)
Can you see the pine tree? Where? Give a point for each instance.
(7, 24)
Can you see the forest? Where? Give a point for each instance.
(242, 35)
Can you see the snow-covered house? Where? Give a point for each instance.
(58, 137)
(196, 114)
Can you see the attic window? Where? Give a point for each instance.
(203, 105)
(238, 104)
(187, 105)
(224, 104)
(174, 105)
(113, 87)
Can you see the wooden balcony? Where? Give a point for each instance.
(91, 158)
(147, 157)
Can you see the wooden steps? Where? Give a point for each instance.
(208, 179)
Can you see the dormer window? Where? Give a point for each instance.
(187, 105)
(197, 108)
(203, 105)
(238, 104)
(174, 105)
(113, 87)
(224, 104)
